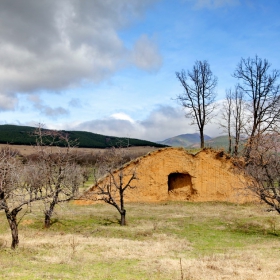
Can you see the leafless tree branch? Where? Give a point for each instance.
(199, 95)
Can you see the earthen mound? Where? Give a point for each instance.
(175, 174)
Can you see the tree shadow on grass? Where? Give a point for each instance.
(254, 229)
(109, 222)
(57, 222)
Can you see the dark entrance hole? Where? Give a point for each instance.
(180, 184)
(178, 181)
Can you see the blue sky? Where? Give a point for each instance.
(109, 66)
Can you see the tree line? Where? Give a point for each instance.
(250, 109)
(251, 113)
(53, 174)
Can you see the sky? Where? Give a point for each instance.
(108, 66)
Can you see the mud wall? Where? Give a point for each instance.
(174, 174)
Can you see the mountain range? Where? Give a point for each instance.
(192, 140)
(24, 135)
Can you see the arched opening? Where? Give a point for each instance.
(180, 185)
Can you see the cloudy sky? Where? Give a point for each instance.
(109, 66)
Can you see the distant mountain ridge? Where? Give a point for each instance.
(192, 140)
(220, 142)
(22, 135)
(184, 140)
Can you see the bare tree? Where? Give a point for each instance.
(234, 115)
(262, 94)
(199, 95)
(239, 118)
(15, 190)
(227, 117)
(264, 168)
(118, 179)
(112, 191)
(60, 176)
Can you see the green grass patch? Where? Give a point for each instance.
(87, 242)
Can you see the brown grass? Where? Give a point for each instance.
(158, 257)
(212, 240)
(27, 150)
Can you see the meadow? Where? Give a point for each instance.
(29, 149)
(168, 240)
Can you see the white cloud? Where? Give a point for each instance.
(75, 103)
(7, 102)
(145, 54)
(122, 116)
(163, 122)
(51, 45)
(46, 110)
(109, 126)
(53, 112)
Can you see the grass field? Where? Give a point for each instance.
(29, 149)
(173, 240)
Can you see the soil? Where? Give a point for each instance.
(174, 174)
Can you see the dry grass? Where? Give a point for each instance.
(212, 240)
(247, 264)
(27, 150)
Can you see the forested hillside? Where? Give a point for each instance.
(24, 135)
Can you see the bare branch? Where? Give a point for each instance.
(264, 168)
(263, 95)
(111, 188)
(199, 95)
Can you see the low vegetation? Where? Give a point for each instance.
(52, 175)
(175, 240)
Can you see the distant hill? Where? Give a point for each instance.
(193, 141)
(220, 142)
(183, 140)
(217, 142)
(23, 135)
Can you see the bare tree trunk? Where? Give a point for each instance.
(48, 215)
(49, 212)
(236, 146)
(248, 147)
(123, 221)
(229, 113)
(12, 219)
(229, 144)
(201, 139)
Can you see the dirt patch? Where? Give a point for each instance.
(83, 202)
(27, 222)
